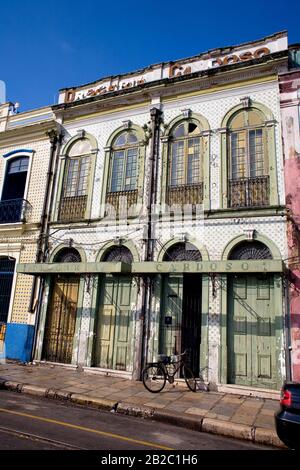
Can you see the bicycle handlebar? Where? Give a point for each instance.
(182, 354)
(168, 359)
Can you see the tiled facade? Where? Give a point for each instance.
(19, 136)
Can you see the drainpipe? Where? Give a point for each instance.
(155, 115)
(287, 327)
(42, 244)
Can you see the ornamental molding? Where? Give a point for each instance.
(246, 102)
(270, 123)
(127, 123)
(249, 233)
(81, 133)
(186, 113)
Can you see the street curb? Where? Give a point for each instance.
(254, 434)
(269, 437)
(101, 403)
(33, 390)
(225, 428)
(178, 419)
(131, 409)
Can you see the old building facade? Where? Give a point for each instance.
(290, 110)
(168, 221)
(25, 150)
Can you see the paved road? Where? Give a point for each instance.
(36, 423)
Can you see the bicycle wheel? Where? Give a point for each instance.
(154, 378)
(189, 378)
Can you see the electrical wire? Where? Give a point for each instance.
(86, 244)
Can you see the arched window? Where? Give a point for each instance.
(248, 160)
(182, 252)
(250, 250)
(185, 164)
(67, 255)
(123, 174)
(73, 203)
(118, 253)
(13, 205)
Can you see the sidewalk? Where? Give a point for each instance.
(219, 413)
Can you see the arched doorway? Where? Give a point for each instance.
(113, 347)
(62, 311)
(7, 268)
(251, 322)
(180, 319)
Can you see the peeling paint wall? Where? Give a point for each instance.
(290, 106)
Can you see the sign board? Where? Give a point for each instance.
(166, 70)
(148, 267)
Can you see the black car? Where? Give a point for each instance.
(287, 419)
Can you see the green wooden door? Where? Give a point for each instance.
(171, 315)
(114, 326)
(251, 331)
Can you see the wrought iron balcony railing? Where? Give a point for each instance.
(15, 210)
(249, 192)
(185, 194)
(72, 208)
(122, 201)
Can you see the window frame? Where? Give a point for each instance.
(79, 158)
(136, 197)
(166, 137)
(272, 135)
(245, 130)
(63, 160)
(10, 157)
(125, 149)
(186, 138)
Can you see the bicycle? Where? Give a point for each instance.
(156, 374)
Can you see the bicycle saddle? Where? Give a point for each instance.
(163, 358)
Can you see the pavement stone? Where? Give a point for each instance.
(155, 404)
(270, 405)
(219, 412)
(232, 400)
(72, 390)
(244, 419)
(264, 421)
(224, 410)
(95, 394)
(196, 411)
(268, 412)
(177, 407)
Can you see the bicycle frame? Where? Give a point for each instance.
(176, 365)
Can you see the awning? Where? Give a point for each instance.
(149, 267)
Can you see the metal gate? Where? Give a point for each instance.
(61, 320)
(180, 327)
(7, 267)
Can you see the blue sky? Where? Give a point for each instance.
(47, 45)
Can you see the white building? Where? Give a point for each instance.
(26, 144)
(202, 134)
